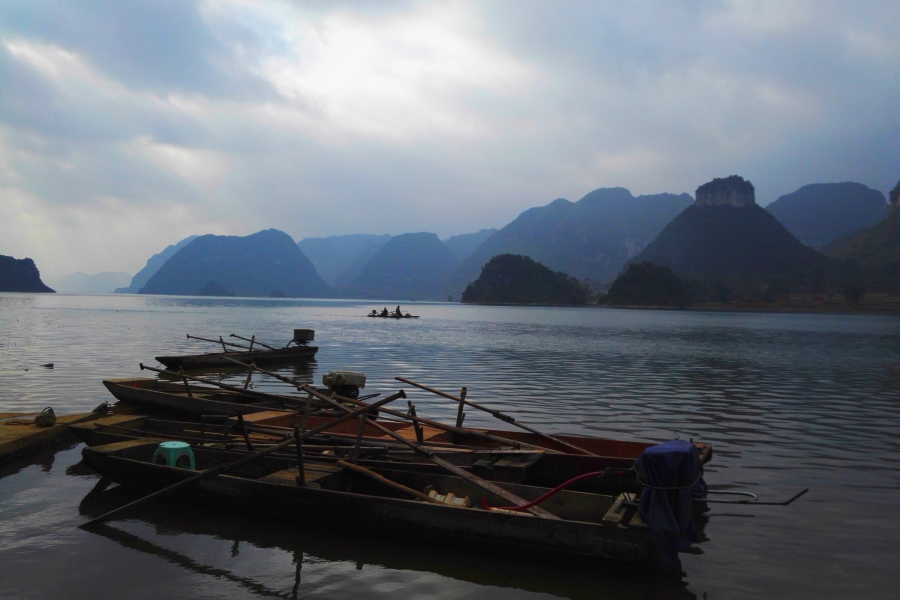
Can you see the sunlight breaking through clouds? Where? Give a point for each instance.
(416, 116)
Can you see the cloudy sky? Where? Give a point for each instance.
(127, 126)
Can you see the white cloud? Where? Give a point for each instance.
(331, 118)
(108, 235)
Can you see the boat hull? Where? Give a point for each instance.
(158, 394)
(531, 468)
(216, 360)
(393, 516)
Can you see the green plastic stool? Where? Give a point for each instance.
(173, 454)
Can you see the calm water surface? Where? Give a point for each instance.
(788, 401)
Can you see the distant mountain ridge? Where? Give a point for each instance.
(255, 265)
(591, 238)
(875, 252)
(334, 254)
(412, 266)
(464, 245)
(101, 283)
(819, 213)
(153, 265)
(20, 275)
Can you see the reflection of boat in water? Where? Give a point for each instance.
(578, 523)
(317, 551)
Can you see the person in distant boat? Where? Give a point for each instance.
(384, 312)
(374, 312)
(397, 312)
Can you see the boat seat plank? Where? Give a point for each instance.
(409, 432)
(312, 471)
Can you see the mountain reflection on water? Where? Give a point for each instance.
(787, 401)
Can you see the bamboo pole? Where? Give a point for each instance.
(252, 342)
(436, 424)
(224, 468)
(218, 341)
(496, 413)
(393, 484)
(458, 471)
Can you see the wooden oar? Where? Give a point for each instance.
(224, 468)
(436, 424)
(459, 472)
(397, 486)
(218, 341)
(496, 413)
(253, 341)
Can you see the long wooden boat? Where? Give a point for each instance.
(393, 316)
(191, 399)
(586, 526)
(431, 435)
(496, 464)
(215, 360)
(493, 464)
(205, 401)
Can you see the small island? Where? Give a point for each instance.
(514, 279)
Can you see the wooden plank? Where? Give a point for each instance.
(313, 471)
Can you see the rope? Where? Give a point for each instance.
(554, 491)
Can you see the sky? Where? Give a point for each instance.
(127, 126)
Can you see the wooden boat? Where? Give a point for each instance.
(588, 525)
(191, 399)
(260, 412)
(215, 360)
(492, 464)
(496, 464)
(407, 316)
(432, 435)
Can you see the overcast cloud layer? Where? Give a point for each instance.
(125, 127)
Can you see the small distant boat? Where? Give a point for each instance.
(391, 315)
(262, 356)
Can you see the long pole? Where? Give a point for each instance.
(254, 340)
(496, 413)
(219, 341)
(482, 483)
(224, 468)
(388, 482)
(436, 424)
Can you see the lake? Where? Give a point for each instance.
(787, 400)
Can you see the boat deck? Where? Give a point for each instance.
(19, 440)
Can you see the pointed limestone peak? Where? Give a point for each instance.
(894, 196)
(729, 191)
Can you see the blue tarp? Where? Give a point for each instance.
(674, 464)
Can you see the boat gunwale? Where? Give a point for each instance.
(601, 534)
